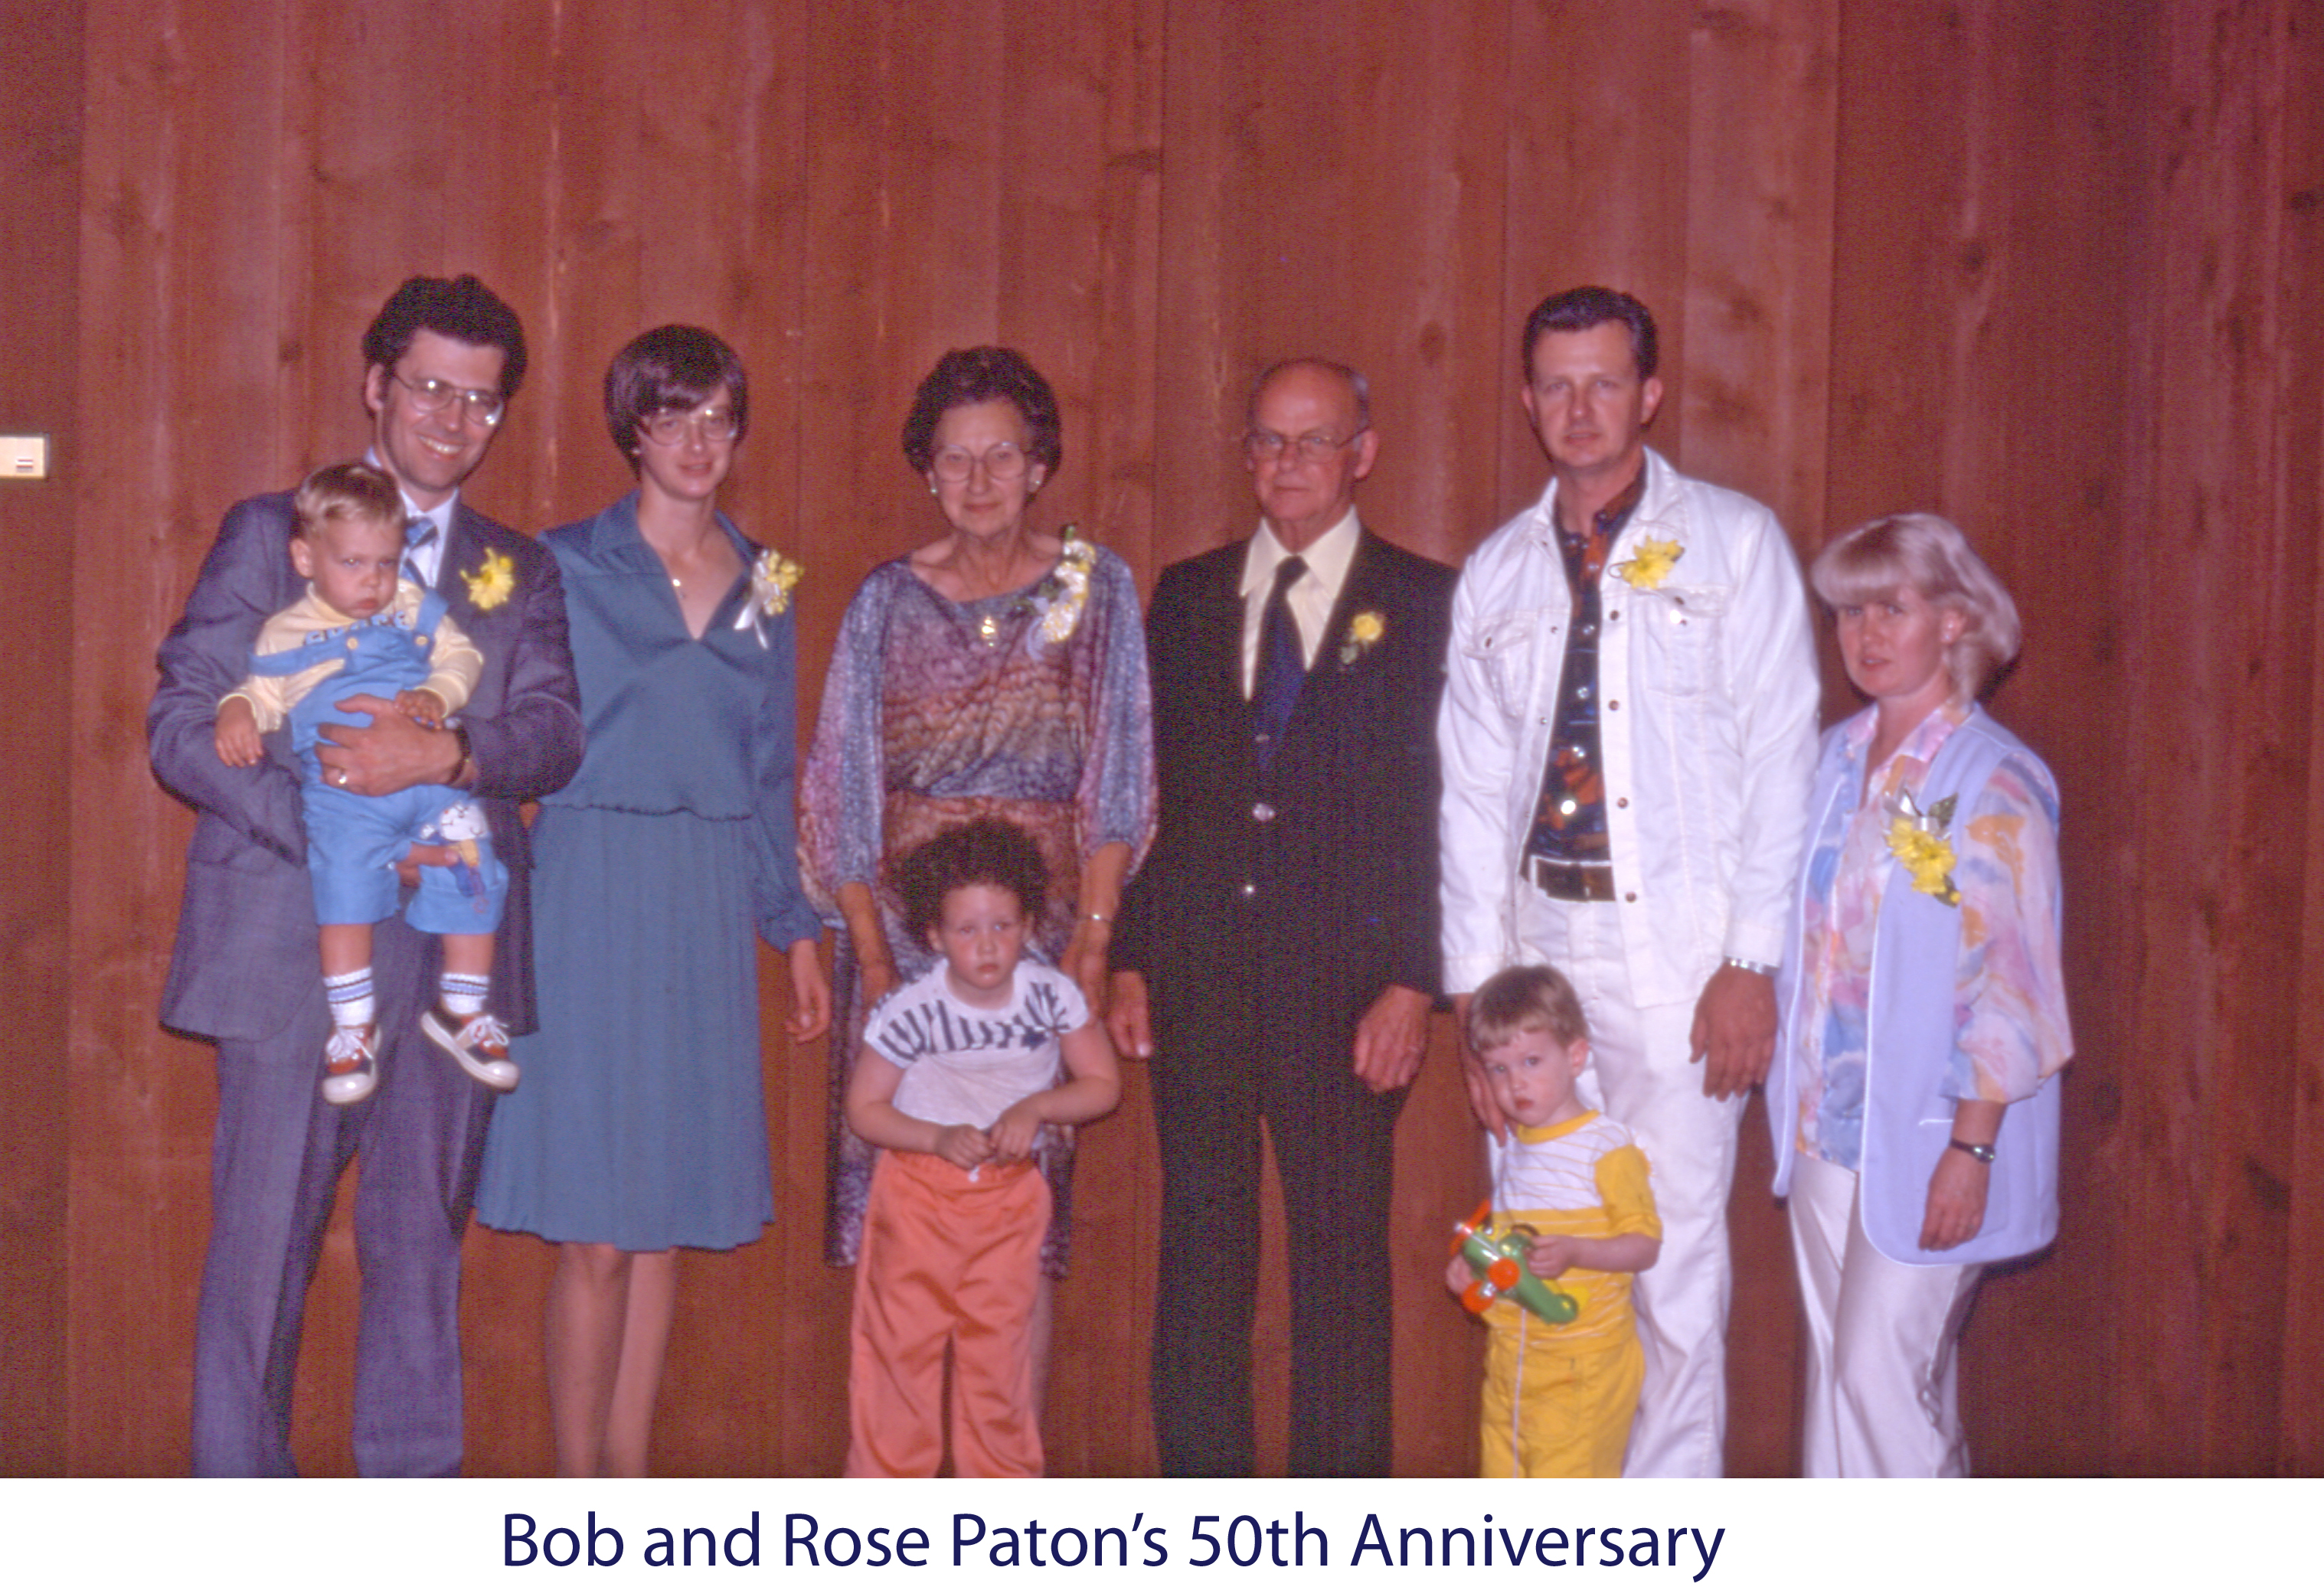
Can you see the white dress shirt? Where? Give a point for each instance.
(427, 560)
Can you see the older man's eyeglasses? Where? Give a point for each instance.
(1265, 446)
(1003, 461)
(668, 426)
(430, 395)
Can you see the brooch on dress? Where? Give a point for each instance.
(1917, 838)
(1062, 595)
(773, 577)
(1058, 599)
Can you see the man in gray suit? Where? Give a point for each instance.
(441, 362)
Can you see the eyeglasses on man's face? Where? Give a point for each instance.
(1265, 446)
(430, 395)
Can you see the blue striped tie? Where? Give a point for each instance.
(418, 534)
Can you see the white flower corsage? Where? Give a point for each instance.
(1062, 595)
(773, 577)
(1650, 563)
(1364, 631)
(1917, 838)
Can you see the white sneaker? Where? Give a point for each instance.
(350, 1064)
(478, 1043)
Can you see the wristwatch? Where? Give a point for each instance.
(1983, 1154)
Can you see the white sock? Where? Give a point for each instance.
(464, 994)
(350, 997)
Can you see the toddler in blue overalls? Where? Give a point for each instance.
(362, 630)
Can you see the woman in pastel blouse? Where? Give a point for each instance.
(997, 671)
(641, 1123)
(1914, 1098)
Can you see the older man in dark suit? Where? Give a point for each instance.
(1286, 925)
(441, 362)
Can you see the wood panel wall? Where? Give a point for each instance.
(2053, 267)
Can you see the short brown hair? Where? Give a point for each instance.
(340, 491)
(466, 309)
(1526, 997)
(671, 366)
(966, 376)
(987, 851)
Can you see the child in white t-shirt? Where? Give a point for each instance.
(960, 1075)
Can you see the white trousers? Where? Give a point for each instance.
(1640, 1077)
(1883, 1372)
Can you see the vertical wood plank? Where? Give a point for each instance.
(179, 406)
(41, 142)
(2300, 191)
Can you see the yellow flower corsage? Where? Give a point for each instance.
(492, 583)
(773, 577)
(1917, 838)
(1066, 592)
(1650, 563)
(1364, 630)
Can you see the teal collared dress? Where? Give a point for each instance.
(640, 1121)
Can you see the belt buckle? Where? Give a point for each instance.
(1569, 882)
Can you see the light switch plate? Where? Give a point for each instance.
(23, 456)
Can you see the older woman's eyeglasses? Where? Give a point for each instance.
(431, 395)
(668, 425)
(1265, 446)
(1004, 461)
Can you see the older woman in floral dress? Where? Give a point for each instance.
(997, 671)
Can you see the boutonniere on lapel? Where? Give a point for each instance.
(1062, 595)
(492, 582)
(1917, 838)
(1364, 630)
(773, 577)
(1650, 563)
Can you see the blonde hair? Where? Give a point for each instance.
(341, 491)
(1931, 557)
(1526, 997)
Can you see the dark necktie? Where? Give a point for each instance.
(418, 534)
(1282, 662)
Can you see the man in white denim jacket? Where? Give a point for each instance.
(1655, 863)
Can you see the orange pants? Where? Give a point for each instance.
(946, 1259)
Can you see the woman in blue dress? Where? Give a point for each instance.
(640, 1125)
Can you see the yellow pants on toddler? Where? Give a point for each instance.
(1553, 1405)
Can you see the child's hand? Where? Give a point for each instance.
(421, 706)
(1015, 1132)
(238, 743)
(963, 1145)
(424, 853)
(1457, 1276)
(1550, 1255)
